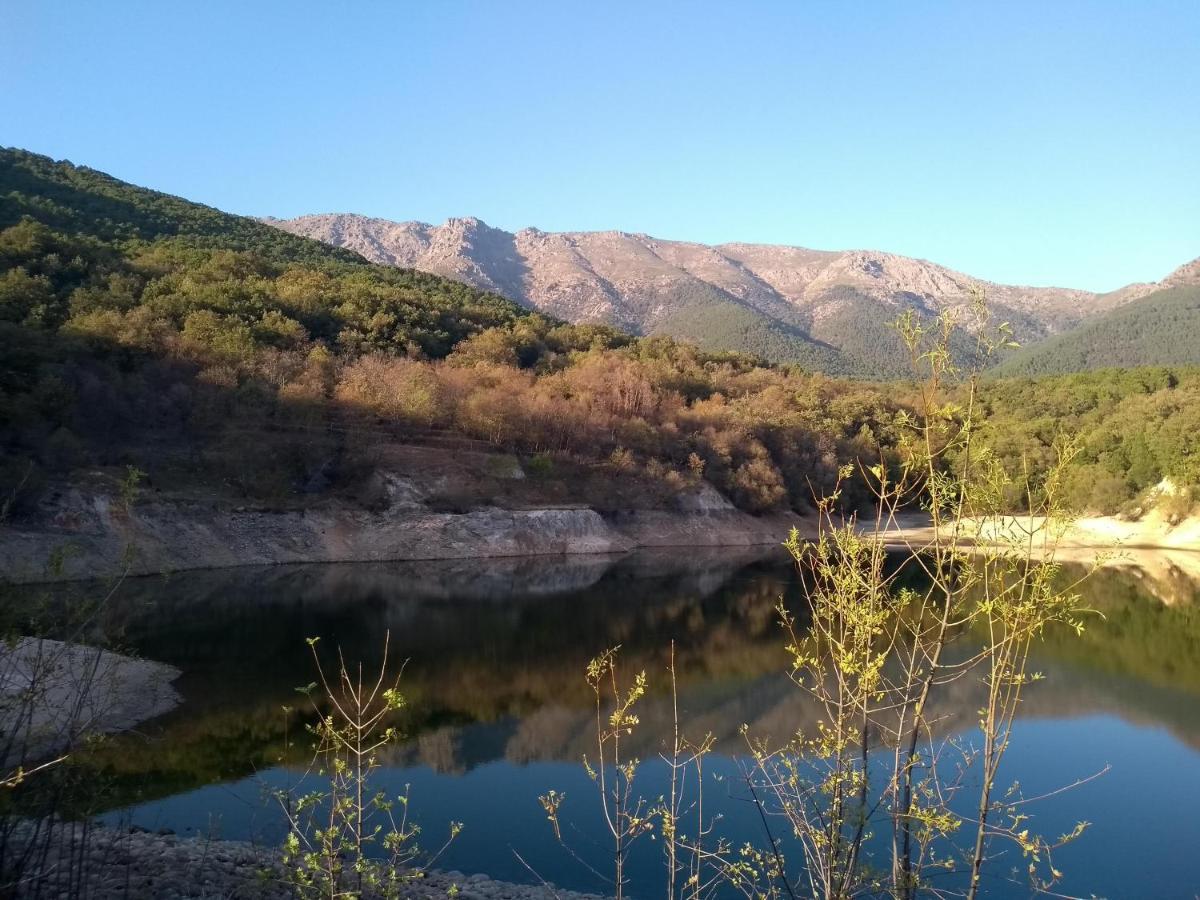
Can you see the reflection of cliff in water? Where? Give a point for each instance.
(496, 652)
(774, 708)
(1171, 576)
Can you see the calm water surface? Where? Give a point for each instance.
(500, 711)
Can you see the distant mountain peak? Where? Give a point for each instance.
(466, 223)
(1187, 274)
(780, 301)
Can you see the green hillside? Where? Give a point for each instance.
(83, 251)
(1131, 428)
(79, 200)
(139, 329)
(717, 322)
(1161, 329)
(855, 337)
(221, 355)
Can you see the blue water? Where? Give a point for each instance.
(1143, 840)
(496, 658)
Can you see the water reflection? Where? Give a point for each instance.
(499, 706)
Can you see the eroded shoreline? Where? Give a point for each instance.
(1154, 546)
(79, 535)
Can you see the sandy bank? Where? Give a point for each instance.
(1159, 549)
(1153, 531)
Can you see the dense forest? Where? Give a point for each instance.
(1160, 329)
(856, 339)
(127, 315)
(138, 328)
(1133, 427)
(713, 322)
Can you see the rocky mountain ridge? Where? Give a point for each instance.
(1186, 275)
(775, 300)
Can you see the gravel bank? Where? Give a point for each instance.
(122, 864)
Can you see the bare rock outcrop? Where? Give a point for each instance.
(639, 283)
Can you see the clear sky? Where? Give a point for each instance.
(1040, 142)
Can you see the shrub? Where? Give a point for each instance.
(494, 347)
(758, 486)
(540, 466)
(224, 335)
(391, 387)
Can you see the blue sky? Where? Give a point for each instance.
(1040, 143)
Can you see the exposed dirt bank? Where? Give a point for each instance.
(1151, 532)
(83, 532)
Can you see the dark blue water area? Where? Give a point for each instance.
(500, 712)
(1143, 840)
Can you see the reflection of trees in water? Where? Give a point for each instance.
(1137, 635)
(497, 651)
(239, 635)
(486, 643)
(773, 707)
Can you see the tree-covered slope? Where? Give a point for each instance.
(142, 330)
(85, 252)
(79, 200)
(1161, 329)
(217, 354)
(1130, 428)
(714, 321)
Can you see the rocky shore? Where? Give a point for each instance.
(78, 532)
(52, 693)
(117, 864)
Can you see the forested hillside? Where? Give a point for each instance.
(1133, 427)
(139, 329)
(142, 330)
(1161, 329)
(712, 322)
(79, 200)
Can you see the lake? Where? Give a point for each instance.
(499, 711)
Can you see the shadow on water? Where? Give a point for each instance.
(499, 711)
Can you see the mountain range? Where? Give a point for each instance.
(827, 310)
(830, 310)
